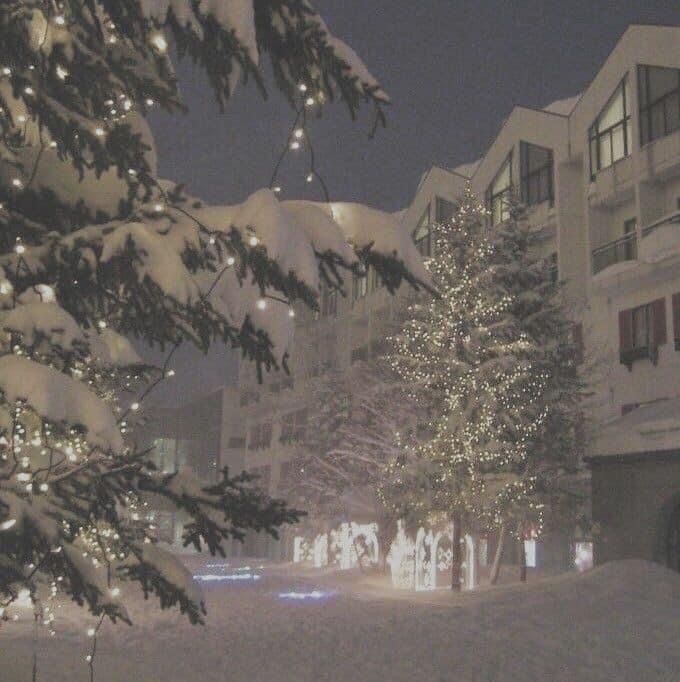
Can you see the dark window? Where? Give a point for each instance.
(641, 331)
(422, 235)
(554, 269)
(577, 339)
(329, 302)
(609, 137)
(630, 247)
(676, 320)
(659, 94)
(359, 354)
(294, 427)
(236, 443)
(260, 436)
(444, 210)
(536, 174)
(375, 281)
(499, 191)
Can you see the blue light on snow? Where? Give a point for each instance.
(315, 595)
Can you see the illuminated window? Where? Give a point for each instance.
(659, 93)
(536, 165)
(499, 191)
(610, 135)
(359, 286)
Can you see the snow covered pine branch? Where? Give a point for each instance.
(95, 250)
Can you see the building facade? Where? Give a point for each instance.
(600, 175)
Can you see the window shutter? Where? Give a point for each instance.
(577, 334)
(676, 320)
(625, 330)
(659, 322)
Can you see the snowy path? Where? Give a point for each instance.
(617, 623)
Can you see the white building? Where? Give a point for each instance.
(600, 173)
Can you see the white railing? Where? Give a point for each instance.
(670, 219)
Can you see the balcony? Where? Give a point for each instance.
(661, 239)
(618, 251)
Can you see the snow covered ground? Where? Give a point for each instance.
(619, 622)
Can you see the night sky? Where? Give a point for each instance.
(453, 69)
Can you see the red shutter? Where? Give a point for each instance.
(658, 322)
(676, 317)
(577, 334)
(625, 330)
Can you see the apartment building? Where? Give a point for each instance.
(600, 175)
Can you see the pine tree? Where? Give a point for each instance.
(492, 358)
(95, 249)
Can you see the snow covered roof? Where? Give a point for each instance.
(563, 107)
(632, 433)
(468, 169)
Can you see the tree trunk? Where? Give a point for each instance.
(456, 561)
(498, 556)
(522, 556)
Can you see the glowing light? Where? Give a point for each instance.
(170, 373)
(60, 19)
(253, 241)
(231, 260)
(17, 183)
(310, 177)
(44, 487)
(261, 304)
(6, 525)
(401, 559)
(158, 208)
(295, 145)
(61, 72)
(159, 42)
(291, 312)
(29, 90)
(101, 324)
(99, 132)
(583, 559)
(309, 101)
(134, 407)
(299, 132)
(276, 189)
(209, 578)
(303, 87)
(91, 632)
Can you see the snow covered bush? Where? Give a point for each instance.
(95, 249)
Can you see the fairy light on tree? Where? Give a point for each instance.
(492, 360)
(118, 267)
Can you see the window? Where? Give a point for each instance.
(294, 427)
(359, 354)
(165, 455)
(375, 281)
(610, 136)
(236, 443)
(536, 165)
(641, 331)
(630, 245)
(444, 210)
(359, 286)
(498, 192)
(577, 340)
(329, 302)
(553, 267)
(260, 436)
(676, 320)
(422, 235)
(659, 94)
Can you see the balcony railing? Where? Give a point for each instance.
(618, 251)
(671, 219)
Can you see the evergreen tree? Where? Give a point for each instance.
(492, 358)
(95, 248)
